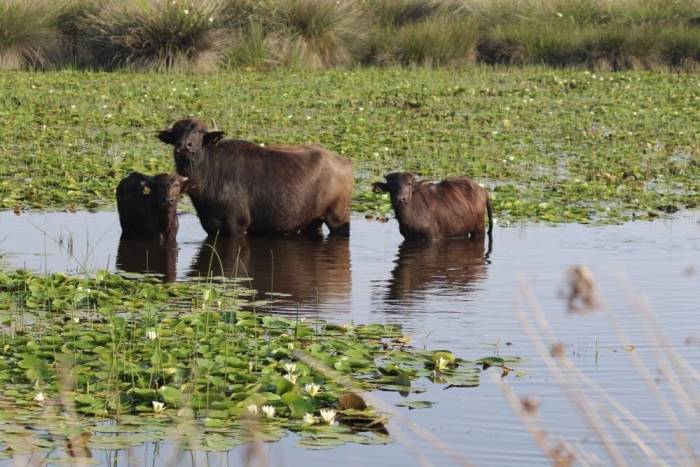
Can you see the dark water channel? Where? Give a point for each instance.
(446, 295)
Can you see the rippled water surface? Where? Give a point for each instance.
(454, 295)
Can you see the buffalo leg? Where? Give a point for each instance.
(236, 226)
(313, 230)
(338, 217)
(339, 229)
(212, 226)
(339, 225)
(342, 230)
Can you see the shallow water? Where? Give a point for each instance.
(447, 295)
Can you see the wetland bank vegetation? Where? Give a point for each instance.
(206, 35)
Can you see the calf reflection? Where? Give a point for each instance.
(305, 268)
(452, 266)
(144, 255)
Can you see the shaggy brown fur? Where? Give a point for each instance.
(238, 187)
(454, 207)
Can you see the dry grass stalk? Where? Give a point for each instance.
(677, 371)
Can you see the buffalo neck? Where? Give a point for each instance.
(202, 176)
(403, 211)
(189, 168)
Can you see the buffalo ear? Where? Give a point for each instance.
(379, 187)
(212, 137)
(147, 186)
(167, 136)
(184, 184)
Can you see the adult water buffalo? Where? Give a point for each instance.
(148, 205)
(238, 187)
(454, 207)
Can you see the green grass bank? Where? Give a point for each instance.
(551, 145)
(181, 35)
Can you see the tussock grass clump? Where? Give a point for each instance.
(520, 44)
(438, 41)
(680, 47)
(74, 48)
(315, 33)
(159, 35)
(491, 13)
(249, 47)
(239, 13)
(608, 48)
(396, 13)
(616, 48)
(660, 12)
(28, 32)
(601, 34)
(248, 23)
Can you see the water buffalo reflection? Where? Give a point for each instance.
(305, 268)
(148, 255)
(452, 266)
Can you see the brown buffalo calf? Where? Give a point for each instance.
(454, 207)
(148, 205)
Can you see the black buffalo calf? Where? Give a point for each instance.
(148, 205)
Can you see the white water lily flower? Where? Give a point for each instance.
(268, 410)
(39, 397)
(442, 364)
(309, 419)
(252, 409)
(290, 367)
(290, 346)
(312, 389)
(158, 407)
(151, 334)
(292, 378)
(328, 416)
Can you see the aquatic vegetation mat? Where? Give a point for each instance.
(113, 361)
(551, 145)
